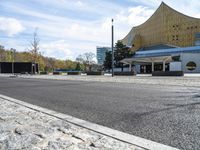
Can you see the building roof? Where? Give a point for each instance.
(160, 55)
(157, 47)
(165, 27)
(167, 52)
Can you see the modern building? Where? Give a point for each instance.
(167, 41)
(101, 54)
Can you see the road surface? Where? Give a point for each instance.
(165, 114)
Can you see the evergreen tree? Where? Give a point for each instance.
(78, 67)
(121, 52)
(108, 61)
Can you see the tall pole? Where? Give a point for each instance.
(13, 71)
(112, 49)
(13, 68)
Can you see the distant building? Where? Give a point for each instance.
(101, 54)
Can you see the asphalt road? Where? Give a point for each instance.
(165, 114)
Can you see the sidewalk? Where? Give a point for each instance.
(23, 128)
(29, 127)
(177, 81)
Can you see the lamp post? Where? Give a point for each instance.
(13, 71)
(112, 48)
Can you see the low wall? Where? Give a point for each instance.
(124, 73)
(56, 73)
(95, 73)
(73, 73)
(43, 73)
(167, 73)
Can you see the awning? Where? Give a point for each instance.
(158, 59)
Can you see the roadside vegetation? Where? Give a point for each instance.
(45, 63)
(120, 52)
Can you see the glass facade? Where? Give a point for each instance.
(197, 39)
(167, 52)
(101, 54)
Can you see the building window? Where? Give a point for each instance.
(176, 27)
(197, 39)
(177, 37)
(176, 58)
(191, 66)
(173, 37)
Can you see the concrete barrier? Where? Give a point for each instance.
(167, 73)
(56, 73)
(95, 73)
(74, 73)
(124, 73)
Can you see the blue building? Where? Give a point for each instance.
(101, 54)
(185, 59)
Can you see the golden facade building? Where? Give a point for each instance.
(165, 27)
(168, 42)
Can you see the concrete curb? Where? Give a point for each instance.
(131, 139)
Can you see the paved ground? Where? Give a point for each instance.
(29, 129)
(166, 114)
(188, 80)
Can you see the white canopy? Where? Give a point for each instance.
(158, 59)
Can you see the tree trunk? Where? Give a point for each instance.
(90, 68)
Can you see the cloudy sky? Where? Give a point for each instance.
(67, 28)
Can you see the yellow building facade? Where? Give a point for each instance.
(166, 26)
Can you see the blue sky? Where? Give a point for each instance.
(67, 28)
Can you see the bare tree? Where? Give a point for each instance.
(50, 64)
(13, 51)
(34, 46)
(2, 53)
(79, 59)
(87, 59)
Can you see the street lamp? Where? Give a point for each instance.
(13, 71)
(112, 28)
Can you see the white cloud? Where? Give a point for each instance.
(138, 15)
(126, 19)
(10, 26)
(57, 49)
(93, 31)
(147, 2)
(188, 7)
(79, 3)
(87, 35)
(84, 34)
